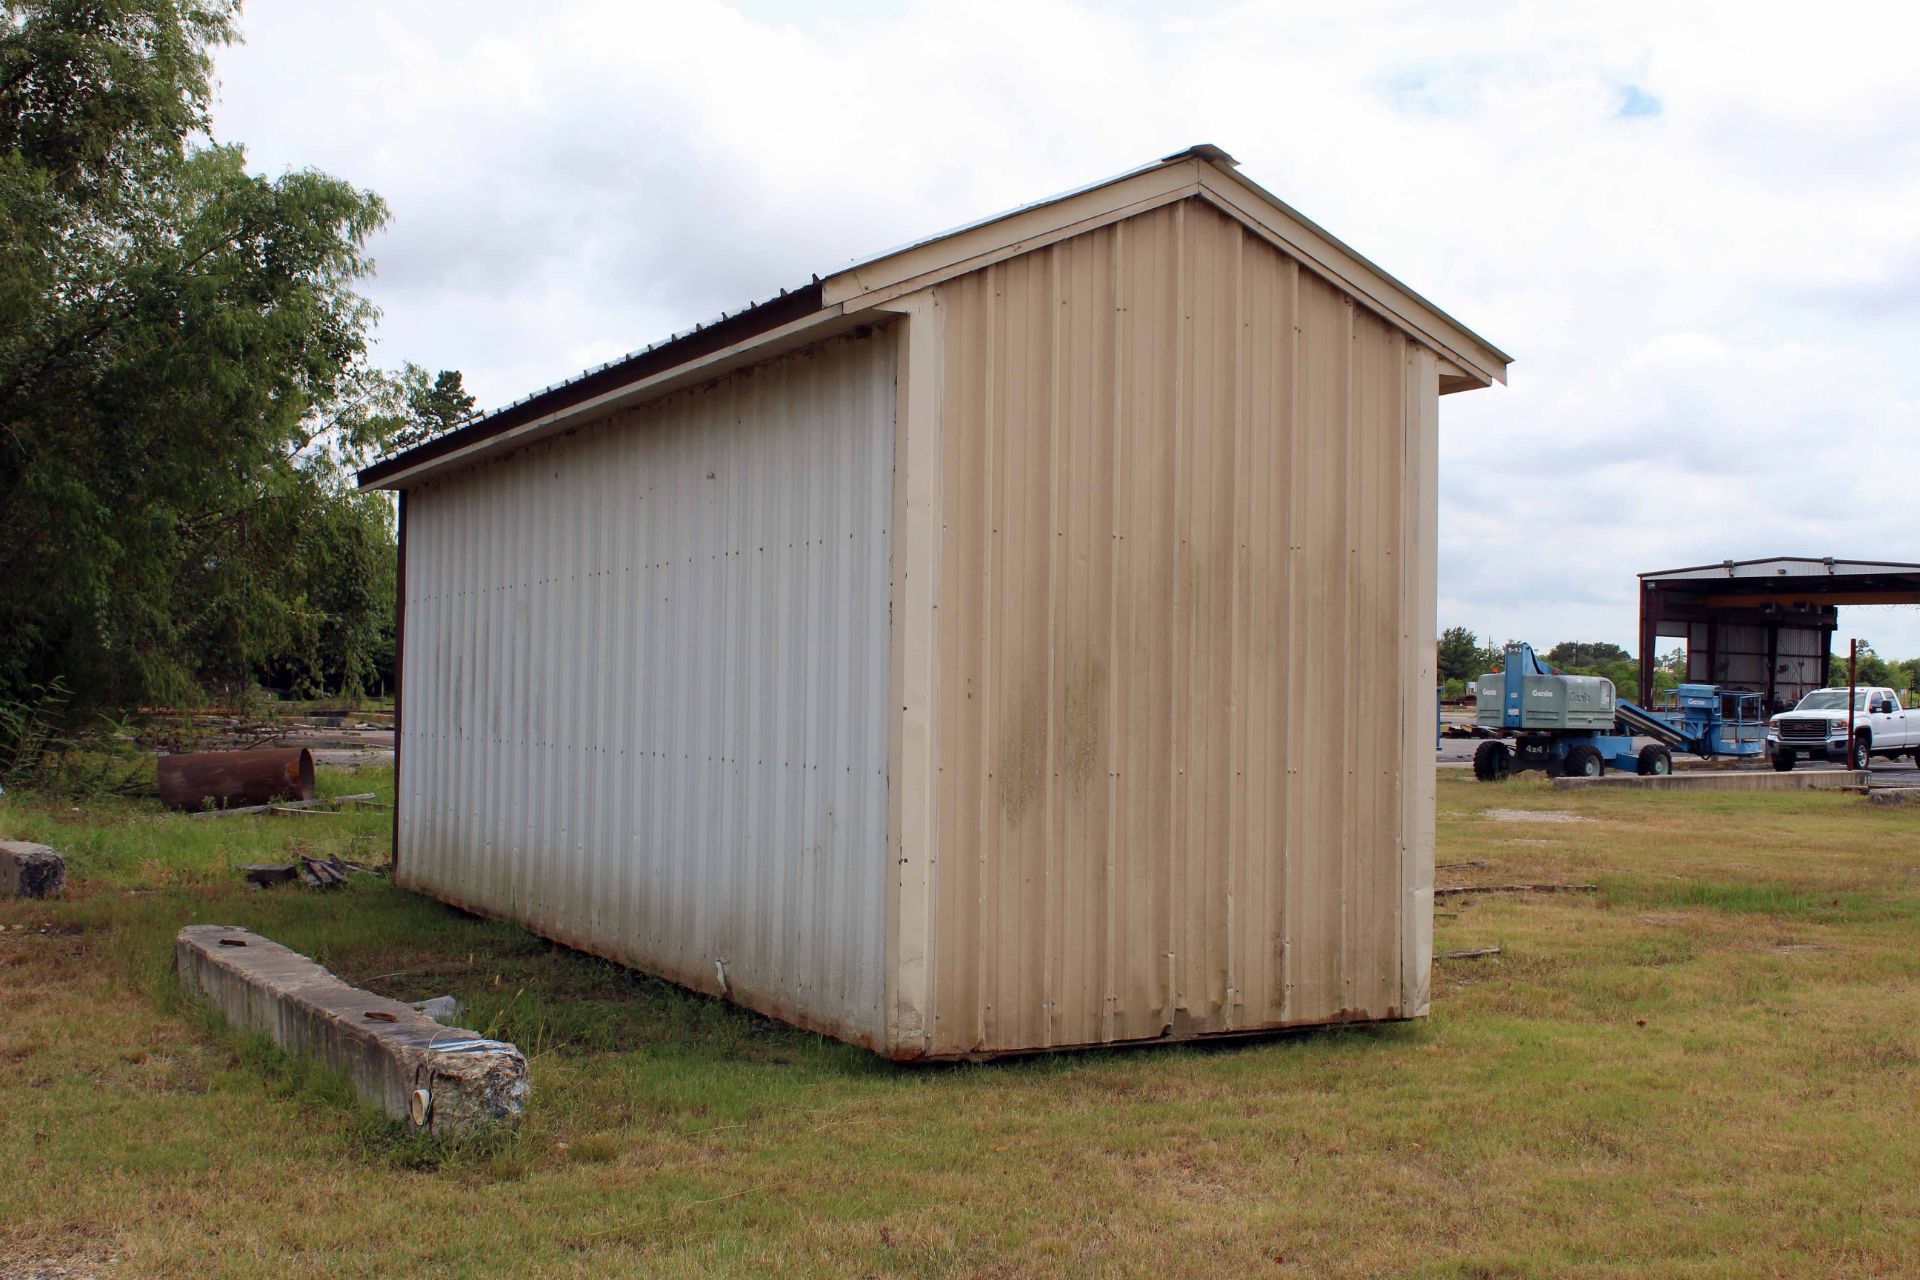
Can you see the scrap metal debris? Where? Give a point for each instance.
(199, 780)
(314, 873)
(443, 1009)
(1515, 888)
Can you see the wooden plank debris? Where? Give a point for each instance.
(292, 806)
(314, 873)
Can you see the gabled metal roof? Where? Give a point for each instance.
(1474, 362)
(670, 352)
(712, 335)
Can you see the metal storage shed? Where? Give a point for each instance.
(1019, 640)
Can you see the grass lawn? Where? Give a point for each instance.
(1709, 1068)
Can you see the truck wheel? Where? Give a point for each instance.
(1862, 752)
(1783, 761)
(1584, 761)
(1493, 761)
(1655, 761)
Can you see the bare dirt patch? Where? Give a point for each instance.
(1535, 815)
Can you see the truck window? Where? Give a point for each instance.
(1832, 700)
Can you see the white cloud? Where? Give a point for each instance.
(1692, 224)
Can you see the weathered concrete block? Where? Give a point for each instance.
(446, 1079)
(31, 871)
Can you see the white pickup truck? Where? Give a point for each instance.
(1817, 729)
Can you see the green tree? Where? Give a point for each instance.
(184, 381)
(1908, 674)
(430, 408)
(1869, 668)
(1460, 655)
(1586, 653)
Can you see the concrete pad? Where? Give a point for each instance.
(1810, 780)
(445, 1079)
(31, 871)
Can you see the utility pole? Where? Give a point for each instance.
(1853, 678)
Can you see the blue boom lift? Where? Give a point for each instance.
(1574, 725)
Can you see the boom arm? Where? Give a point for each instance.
(1648, 725)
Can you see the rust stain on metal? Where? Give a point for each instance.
(1023, 758)
(1080, 733)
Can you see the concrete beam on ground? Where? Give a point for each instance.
(444, 1079)
(1810, 780)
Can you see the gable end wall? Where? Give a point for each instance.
(1184, 590)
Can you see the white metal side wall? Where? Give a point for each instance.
(645, 683)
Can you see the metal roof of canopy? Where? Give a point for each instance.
(850, 297)
(1784, 580)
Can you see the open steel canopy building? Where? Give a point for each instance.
(1021, 639)
(1762, 625)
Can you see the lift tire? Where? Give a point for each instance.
(1862, 752)
(1783, 761)
(1654, 761)
(1493, 761)
(1584, 761)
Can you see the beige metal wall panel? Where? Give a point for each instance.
(646, 686)
(1177, 634)
(1420, 575)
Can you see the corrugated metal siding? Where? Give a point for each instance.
(1171, 644)
(646, 686)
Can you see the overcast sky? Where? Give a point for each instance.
(1696, 228)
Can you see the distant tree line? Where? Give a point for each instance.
(1462, 660)
(185, 383)
(1872, 669)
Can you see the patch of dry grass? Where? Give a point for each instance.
(1706, 1069)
